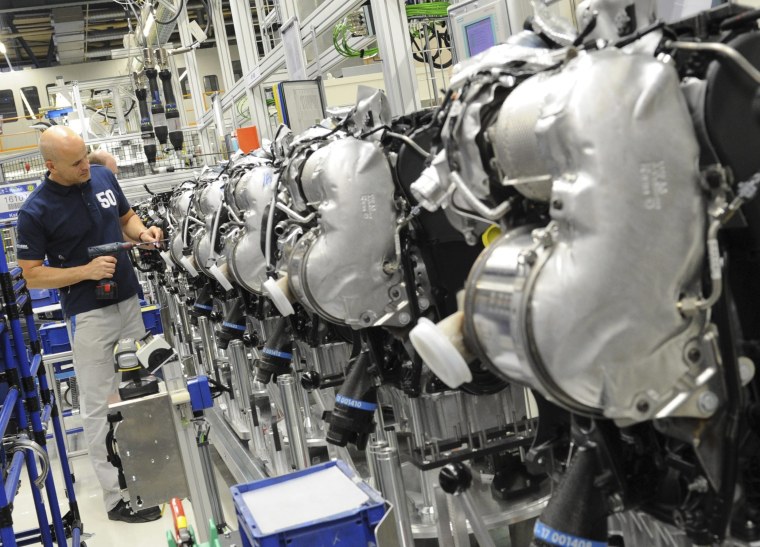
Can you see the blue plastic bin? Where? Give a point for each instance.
(358, 509)
(44, 297)
(54, 338)
(152, 318)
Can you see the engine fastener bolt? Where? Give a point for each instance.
(700, 485)
(708, 402)
(642, 406)
(714, 178)
(694, 355)
(404, 318)
(528, 257)
(615, 502)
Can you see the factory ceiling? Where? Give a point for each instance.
(41, 33)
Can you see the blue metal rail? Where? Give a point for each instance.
(8, 408)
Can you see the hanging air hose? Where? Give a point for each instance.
(353, 25)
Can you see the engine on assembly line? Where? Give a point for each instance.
(552, 276)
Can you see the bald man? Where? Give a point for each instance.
(105, 158)
(77, 207)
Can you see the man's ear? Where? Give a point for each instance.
(49, 165)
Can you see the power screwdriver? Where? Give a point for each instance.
(107, 289)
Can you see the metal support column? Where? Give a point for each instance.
(287, 10)
(118, 110)
(222, 44)
(390, 480)
(257, 103)
(194, 79)
(249, 59)
(84, 126)
(208, 344)
(295, 60)
(244, 34)
(222, 132)
(400, 77)
(293, 421)
(261, 16)
(191, 458)
(177, 84)
(240, 383)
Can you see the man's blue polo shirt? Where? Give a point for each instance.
(61, 222)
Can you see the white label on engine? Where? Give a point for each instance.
(369, 206)
(654, 184)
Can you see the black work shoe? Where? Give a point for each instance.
(124, 513)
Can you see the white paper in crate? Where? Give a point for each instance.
(316, 496)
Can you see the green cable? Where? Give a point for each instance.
(428, 9)
(340, 42)
(433, 10)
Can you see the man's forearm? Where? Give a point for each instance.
(45, 277)
(133, 227)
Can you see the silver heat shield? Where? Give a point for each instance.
(585, 311)
(180, 201)
(614, 18)
(235, 193)
(175, 248)
(179, 208)
(291, 173)
(336, 269)
(244, 256)
(210, 199)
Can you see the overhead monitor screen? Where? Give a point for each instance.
(480, 35)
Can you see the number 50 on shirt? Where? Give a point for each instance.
(107, 199)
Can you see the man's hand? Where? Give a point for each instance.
(154, 234)
(101, 267)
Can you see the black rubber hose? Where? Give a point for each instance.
(171, 102)
(277, 353)
(146, 125)
(577, 510)
(352, 419)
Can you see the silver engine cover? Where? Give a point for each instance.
(210, 199)
(336, 269)
(242, 249)
(587, 312)
(179, 208)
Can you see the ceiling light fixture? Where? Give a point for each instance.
(3, 50)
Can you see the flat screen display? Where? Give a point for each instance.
(480, 36)
(7, 105)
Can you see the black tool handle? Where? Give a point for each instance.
(107, 249)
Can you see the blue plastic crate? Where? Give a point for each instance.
(54, 338)
(337, 509)
(152, 318)
(44, 297)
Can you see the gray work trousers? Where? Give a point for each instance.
(94, 335)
